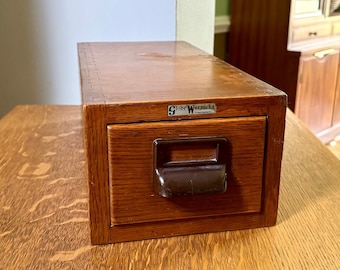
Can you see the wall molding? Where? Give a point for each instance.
(222, 24)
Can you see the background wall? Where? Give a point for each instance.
(222, 7)
(38, 53)
(195, 23)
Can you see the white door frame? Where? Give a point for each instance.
(195, 23)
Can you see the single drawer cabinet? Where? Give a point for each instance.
(177, 142)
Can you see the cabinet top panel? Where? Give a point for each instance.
(133, 72)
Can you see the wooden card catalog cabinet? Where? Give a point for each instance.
(177, 142)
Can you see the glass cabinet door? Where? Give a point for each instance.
(308, 8)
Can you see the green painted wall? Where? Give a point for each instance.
(222, 7)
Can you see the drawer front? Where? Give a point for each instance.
(336, 28)
(131, 169)
(309, 32)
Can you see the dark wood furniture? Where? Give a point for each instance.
(140, 94)
(258, 38)
(44, 222)
(298, 54)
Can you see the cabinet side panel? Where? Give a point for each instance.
(336, 112)
(97, 172)
(314, 106)
(273, 160)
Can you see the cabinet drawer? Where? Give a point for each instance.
(132, 159)
(313, 31)
(336, 28)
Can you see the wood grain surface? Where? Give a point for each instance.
(43, 207)
(316, 74)
(138, 72)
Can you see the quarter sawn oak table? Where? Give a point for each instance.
(44, 220)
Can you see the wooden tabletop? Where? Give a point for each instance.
(44, 220)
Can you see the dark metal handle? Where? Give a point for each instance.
(313, 34)
(190, 166)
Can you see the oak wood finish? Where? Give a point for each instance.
(131, 83)
(316, 90)
(329, 134)
(44, 204)
(131, 171)
(336, 109)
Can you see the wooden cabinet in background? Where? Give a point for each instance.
(336, 109)
(276, 41)
(258, 37)
(316, 90)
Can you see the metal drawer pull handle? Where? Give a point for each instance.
(313, 34)
(324, 53)
(189, 166)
